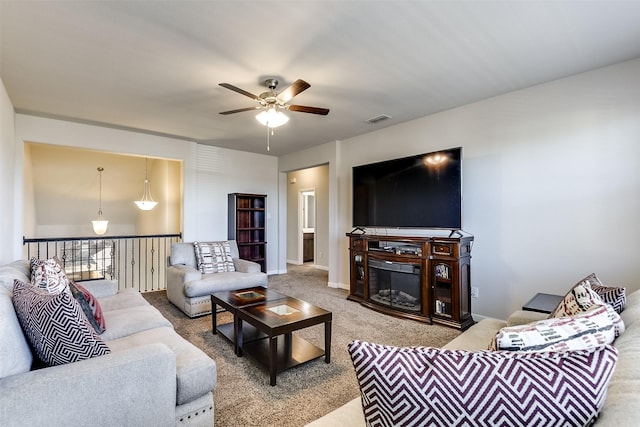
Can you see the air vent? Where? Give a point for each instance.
(377, 119)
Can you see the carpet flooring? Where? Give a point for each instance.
(243, 396)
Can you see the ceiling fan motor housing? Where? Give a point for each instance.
(271, 83)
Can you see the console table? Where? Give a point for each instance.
(421, 278)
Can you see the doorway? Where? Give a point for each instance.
(307, 231)
(307, 207)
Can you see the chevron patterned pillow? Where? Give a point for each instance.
(55, 325)
(422, 386)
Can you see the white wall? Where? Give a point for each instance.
(220, 172)
(209, 173)
(550, 183)
(8, 171)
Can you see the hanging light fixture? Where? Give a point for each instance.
(272, 117)
(100, 224)
(146, 203)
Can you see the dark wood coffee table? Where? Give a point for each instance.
(231, 302)
(264, 330)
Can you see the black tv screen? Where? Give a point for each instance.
(421, 191)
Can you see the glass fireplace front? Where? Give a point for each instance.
(395, 284)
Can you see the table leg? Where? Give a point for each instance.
(273, 359)
(327, 341)
(214, 317)
(238, 337)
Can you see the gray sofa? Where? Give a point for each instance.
(622, 405)
(151, 377)
(190, 290)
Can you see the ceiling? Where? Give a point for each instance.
(154, 66)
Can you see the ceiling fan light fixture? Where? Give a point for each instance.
(272, 118)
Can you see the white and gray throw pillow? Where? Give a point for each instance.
(213, 257)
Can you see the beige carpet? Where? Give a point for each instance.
(244, 397)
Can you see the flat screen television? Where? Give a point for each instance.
(420, 191)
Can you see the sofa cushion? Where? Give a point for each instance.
(90, 307)
(430, 386)
(478, 336)
(183, 254)
(15, 354)
(49, 275)
(20, 270)
(55, 325)
(589, 329)
(581, 298)
(196, 372)
(125, 298)
(213, 257)
(631, 313)
(131, 320)
(227, 281)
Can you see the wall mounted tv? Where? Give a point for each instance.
(420, 191)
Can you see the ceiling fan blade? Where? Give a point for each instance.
(240, 110)
(240, 91)
(312, 110)
(297, 87)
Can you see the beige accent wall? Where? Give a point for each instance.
(61, 187)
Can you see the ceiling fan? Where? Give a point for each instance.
(271, 100)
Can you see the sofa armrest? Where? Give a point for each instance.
(179, 274)
(245, 266)
(522, 317)
(118, 389)
(101, 288)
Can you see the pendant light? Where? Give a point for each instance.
(146, 203)
(100, 224)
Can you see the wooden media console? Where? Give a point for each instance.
(421, 278)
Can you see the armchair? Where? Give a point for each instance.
(190, 290)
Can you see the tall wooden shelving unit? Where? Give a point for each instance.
(247, 226)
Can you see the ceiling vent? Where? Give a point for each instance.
(377, 119)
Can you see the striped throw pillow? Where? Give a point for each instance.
(586, 330)
(213, 257)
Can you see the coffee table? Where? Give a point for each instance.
(264, 329)
(231, 302)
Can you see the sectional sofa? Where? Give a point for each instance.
(150, 377)
(621, 407)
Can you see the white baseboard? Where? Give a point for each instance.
(338, 286)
